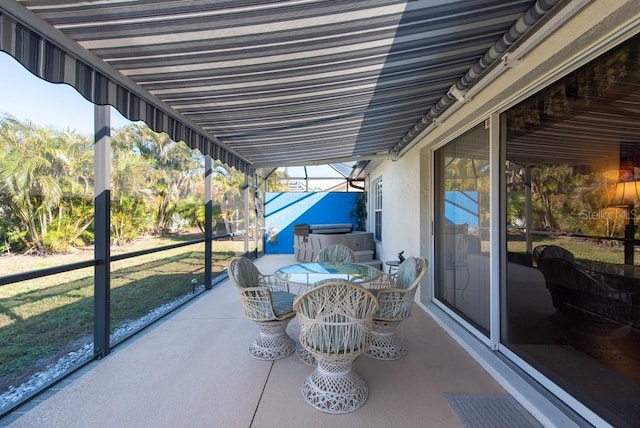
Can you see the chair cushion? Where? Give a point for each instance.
(407, 273)
(282, 302)
(246, 273)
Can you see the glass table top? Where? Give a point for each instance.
(310, 273)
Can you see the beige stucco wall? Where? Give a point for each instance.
(407, 194)
(399, 221)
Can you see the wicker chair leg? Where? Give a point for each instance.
(385, 345)
(334, 388)
(273, 342)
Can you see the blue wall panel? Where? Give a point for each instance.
(462, 207)
(284, 210)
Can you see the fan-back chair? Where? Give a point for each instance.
(335, 326)
(395, 293)
(336, 253)
(268, 302)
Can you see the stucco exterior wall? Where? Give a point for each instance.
(400, 207)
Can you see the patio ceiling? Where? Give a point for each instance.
(266, 84)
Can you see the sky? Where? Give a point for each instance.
(29, 98)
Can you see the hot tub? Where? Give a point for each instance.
(309, 239)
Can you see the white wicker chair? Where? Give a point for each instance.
(395, 293)
(336, 253)
(268, 303)
(335, 326)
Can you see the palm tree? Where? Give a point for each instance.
(551, 186)
(75, 175)
(174, 172)
(29, 179)
(131, 199)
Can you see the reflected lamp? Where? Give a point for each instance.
(627, 194)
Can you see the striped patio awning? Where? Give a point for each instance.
(263, 83)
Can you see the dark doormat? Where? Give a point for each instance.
(490, 411)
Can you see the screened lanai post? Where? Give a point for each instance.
(528, 210)
(208, 219)
(102, 252)
(245, 196)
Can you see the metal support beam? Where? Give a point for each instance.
(528, 209)
(208, 221)
(102, 250)
(245, 197)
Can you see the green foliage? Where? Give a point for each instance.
(43, 175)
(128, 220)
(157, 185)
(567, 200)
(275, 182)
(192, 211)
(72, 228)
(56, 241)
(15, 240)
(552, 186)
(169, 172)
(359, 211)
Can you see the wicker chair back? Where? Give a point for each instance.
(335, 318)
(337, 253)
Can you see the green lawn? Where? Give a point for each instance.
(582, 248)
(44, 319)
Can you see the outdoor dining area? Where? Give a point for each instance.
(207, 365)
(344, 310)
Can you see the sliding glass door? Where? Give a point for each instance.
(462, 217)
(572, 176)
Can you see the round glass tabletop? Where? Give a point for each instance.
(310, 273)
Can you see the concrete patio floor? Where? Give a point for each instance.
(192, 369)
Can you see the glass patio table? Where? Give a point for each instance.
(306, 274)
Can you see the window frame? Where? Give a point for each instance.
(377, 209)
